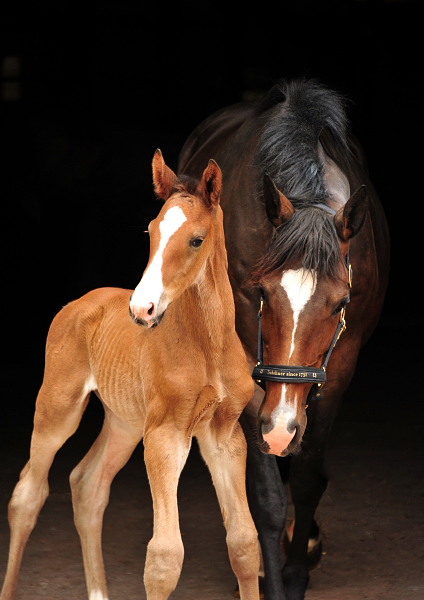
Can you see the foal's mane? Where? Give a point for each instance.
(190, 186)
(287, 151)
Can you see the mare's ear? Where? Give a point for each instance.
(164, 179)
(278, 208)
(350, 218)
(211, 183)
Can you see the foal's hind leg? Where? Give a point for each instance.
(225, 455)
(58, 413)
(90, 484)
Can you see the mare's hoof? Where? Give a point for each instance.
(314, 555)
(261, 589)
(295, 580)
(314, 545)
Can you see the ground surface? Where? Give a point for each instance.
(372, 514)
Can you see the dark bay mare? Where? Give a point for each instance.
(308, 250)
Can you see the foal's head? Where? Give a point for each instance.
(304, 282)
(181, 238)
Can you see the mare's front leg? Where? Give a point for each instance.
(223, 447)
(165, 454)
(267, 502)
(308, 482)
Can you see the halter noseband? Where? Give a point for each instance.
(295, 374)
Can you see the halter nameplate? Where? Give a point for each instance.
(288, 374)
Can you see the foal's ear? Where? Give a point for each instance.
(350, 218)
(164, 178)
(278, 208)
(211, 184)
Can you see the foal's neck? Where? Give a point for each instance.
(210, 299)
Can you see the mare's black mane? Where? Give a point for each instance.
(309, 237)
(287, 151)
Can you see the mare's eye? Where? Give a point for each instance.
(339, 307)
(262, 292)
(196, 242)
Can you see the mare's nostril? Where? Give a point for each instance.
(264, 419)
(265, 424)
(151, 309)
(292, 426)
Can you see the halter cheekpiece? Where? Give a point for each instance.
(296, 374)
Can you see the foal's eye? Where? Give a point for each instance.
(196, 242)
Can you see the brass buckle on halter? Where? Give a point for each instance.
(349, 275)
(259, 316)
(321, 385)
(343, 322)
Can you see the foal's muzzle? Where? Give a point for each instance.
(140, 321)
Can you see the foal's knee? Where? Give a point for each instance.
(26, 503)
(89, 502)
(243, 550)
(164, 562)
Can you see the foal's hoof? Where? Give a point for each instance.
(314, 545)
(261, 589)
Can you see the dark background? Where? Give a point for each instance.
(89, 94)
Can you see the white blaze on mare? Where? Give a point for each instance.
(299, 285)
(150, 288)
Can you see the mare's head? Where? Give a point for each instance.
(181, 238)
(303, 279)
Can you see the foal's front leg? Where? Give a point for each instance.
(225, 454)
(165, 454)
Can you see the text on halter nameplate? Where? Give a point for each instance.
(303, 374)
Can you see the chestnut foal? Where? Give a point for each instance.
(167, 364)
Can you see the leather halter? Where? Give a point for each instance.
(296, 374)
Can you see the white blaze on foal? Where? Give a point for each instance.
(149, 290)
(299, 285)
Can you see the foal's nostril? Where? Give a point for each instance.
(151, 309)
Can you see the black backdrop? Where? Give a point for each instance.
(88, 94)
